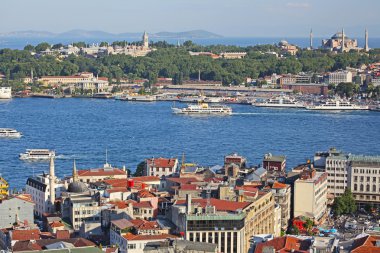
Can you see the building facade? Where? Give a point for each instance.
(161, 167)
(340, 77)
(17, 208)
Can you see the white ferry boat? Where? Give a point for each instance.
(9, 133)
(204, 109)
(5, 92)
(37, 154)
(336, 104)
(281, 102)
(138, 98)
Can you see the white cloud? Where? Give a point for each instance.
(303, 5)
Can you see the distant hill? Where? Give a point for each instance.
(84, 34)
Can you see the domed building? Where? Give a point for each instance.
(77, 187)
(340, 42)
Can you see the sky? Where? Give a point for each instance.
(230, 18)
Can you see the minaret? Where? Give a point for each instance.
(145, 40)
(342, 47)
(75, 173)
(52, 183)
(311, 39)
(366, 48)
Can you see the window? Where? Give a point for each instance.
(368, 188)
(131, 246)
(361, 187)
(374, 188)
(355, 187)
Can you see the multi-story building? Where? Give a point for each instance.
(16, 208)
(282, 196)
(161, 167)
(360, 174)
(228, 224)
(287, 79)
(364, 179)
(94, 175)
(340, 77)
(310, 195)
(274, 163)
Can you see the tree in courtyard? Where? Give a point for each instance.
(140, 169)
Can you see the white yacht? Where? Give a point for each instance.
(138, 98)
(9, 133)
(204, 109)
(280, 102)
(37, 154)
(5, 92)
(336, 104)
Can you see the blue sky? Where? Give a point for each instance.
(238, 18)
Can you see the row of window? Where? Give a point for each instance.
(374, 179)
(367, 188)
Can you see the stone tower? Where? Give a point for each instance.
(311, 39)
(342, 47)
(366, 48)
(145, 40)
(52, 183)
(75, 173)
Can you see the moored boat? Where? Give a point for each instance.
(5, 92)
(280, 102)
(337, 104)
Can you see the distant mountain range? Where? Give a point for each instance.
(84, 34)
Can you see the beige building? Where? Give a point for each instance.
(94, 175)
(340, 42)
(277, 221)
(340, 77)
(282, 197)
(310, 195)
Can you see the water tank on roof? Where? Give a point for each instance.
(130, 183)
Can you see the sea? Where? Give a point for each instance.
(19, 43)
(83, 129)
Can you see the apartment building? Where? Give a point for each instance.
(282, 197)
(310, 195)
(340, 77)
(161, 166)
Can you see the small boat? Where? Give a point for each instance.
(102, 95)
(280, 102)
(138, 98)
(37, 154)
(5, 92)
(9, 133)
(337, 104)
(203, 109)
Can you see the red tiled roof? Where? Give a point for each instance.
(144, 225)
(278, 185)
(285, 244)
(366, 244)
(122, 223)
(119, 204)
(117, 182)
(25, 197)
(132, 237)
(143, 204)
(111, 250)
(188, 187)
(63, 234)
(146, 179)
(25, 235)
(220, 205)
(101, 172)
(145, 194)
(56, 224)
(182, 180)
(247, 188)
(162, 162)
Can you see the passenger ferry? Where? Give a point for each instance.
(37, 154)
(137, 98)
(281, 102)
(5, 92)
(204, 109)
(336, 104)
(9, 133)
(102, 95)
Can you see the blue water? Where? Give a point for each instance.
(19, 43)
(84, 128)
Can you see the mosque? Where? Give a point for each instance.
(340, 42)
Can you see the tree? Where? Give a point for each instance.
(344, 204)
(294, 230)
(29, 48)
(140, 169)
(309, 226)
(42, 47)
(57, 46)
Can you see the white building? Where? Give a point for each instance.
(310, 195)
(160, 167)
(39, 187)
(340, 77)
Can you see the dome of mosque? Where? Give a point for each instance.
(338, 35)
(77, 187)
